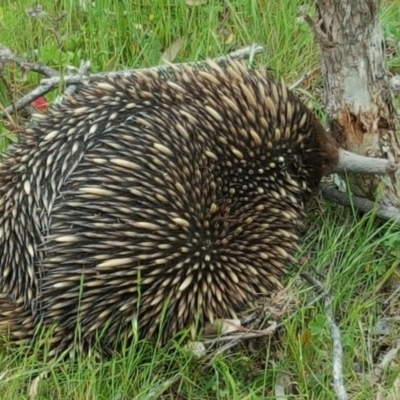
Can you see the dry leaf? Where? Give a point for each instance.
(171, 52)
(195, 2)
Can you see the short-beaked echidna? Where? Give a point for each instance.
(187, 187)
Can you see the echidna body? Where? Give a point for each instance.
(186, 189)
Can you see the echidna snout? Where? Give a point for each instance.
(144, 189)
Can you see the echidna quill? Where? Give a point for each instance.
(182, 192)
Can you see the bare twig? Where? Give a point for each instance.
(248, 334)
(300, 80)
(71, 89)
(234, 339)
(385, 212)
(380, 368)
(337, 371)
(10, 120)
(29, 98)
(7, 56)
(338, 381)
(392, 296)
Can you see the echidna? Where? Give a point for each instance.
(140, 193)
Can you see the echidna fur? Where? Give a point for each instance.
(188, 188)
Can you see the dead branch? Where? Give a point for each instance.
(233, 340)
(247, 334)
(337, 370)
(244, 53)
(28, 99)
(358, 164)
(7, 57)
(385, 212)
(338, 381)
(47, 85)
(71, 89)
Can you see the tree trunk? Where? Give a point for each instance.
(357, 97)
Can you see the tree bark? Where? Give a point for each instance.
(357, 96)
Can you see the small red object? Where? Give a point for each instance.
(40, 104)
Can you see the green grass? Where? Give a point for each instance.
(356, 255)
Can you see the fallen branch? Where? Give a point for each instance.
(338, 381)
(247, 334)
(385, 212)
(337, 369)
(47, 85)
(244, 53)
(28, 99)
